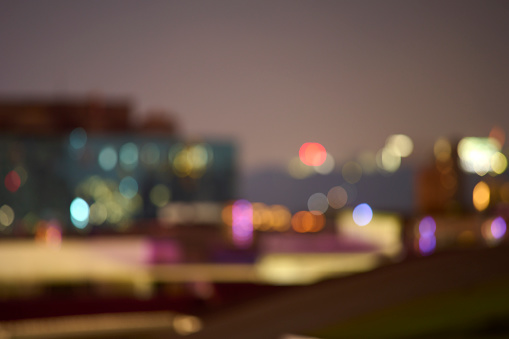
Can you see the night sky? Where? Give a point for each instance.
(272, 75)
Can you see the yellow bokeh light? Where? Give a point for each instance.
(327, 166)
(442, 150)
(367, 160)
(498, 163)
(186, 324)
(481, 196)
(6, 215)
(98, 213)
(160, 195)
(400, 145)
(387, 160)
(298, 170)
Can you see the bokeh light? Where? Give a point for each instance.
(481, 196)
(186, 324)
(242, 223)
(400, 144)
(387, 160)
(160, 195)
(22, 173)
(498, 163)
(312, 154)
(362, 214)
(367, 160)
(108, 158)
(442, 150)
(326, 167)
(318, 203)
(352, 172)
(12, 181)
(78, 138)
(427, 239)
(476, 154)
(150, 154)
(128, 155)
(337, 197)
(498, 227)
(191, 161)
(128, 187)
(80, 212)
(298, 170)
(305, 221)
(498, 135)
(6, 215)
(427, 227)
(98, 213)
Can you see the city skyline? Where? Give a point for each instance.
(272, 76)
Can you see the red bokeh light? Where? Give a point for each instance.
(12, 181)
(312, 154)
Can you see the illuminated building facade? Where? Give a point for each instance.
(81, 167)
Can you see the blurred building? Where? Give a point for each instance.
(81, 166)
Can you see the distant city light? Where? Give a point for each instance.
(476, 154)
(80, 212)
(108, 158)
(498, 227)
(326, 167)
(442, 149)
(427, 227)
(128, 187)
(298, 170)
(128, 155)
(305, 221)
(498, 134)
(362, 214)
(22, 173)
(160, 195)
(388, 160)
(427, 239)
(150, 154)
(337, 197)
(317, 203)
(78, 138)
(400, 144)
(12, 181)
(367, 160)
(498, 163)
(6, 215)
(242, 223)
(481, 196)
(98, 213)
(312, 154)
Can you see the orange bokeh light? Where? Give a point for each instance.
(312, 154)
(305, 221)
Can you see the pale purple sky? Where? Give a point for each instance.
(272, 75)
